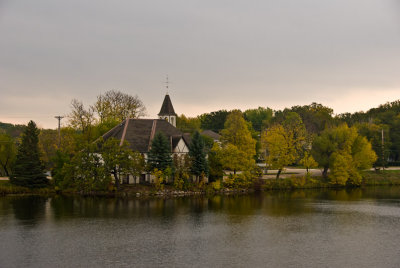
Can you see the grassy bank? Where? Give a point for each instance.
(382, 177)
(296, 183)
(6, 188)
(370, 178)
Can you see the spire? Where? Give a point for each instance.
(167, 84)
(167, 108)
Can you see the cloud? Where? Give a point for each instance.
(219, 54)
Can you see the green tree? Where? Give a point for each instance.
(386, 116)
(188, 124)
(59, 160)
(260, 118)
(7, 153)
(330, 141)
(138, 164)
(215, 163)
(48, 139)
(280, 148)
(86, 172)
(12, 130)
(315, 117)
(373, 133)
(28, 169)
(214, 121)
(159, 156)
(118, 158)
(344, 152)
(197, 155)
(117, 106)
(181, 171)
(293, 124)
(80, 118)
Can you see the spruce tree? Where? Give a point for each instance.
(198, 156)
(160, 153)
(28, 169)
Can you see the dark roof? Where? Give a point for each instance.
(187, 138)
(167, 108)
(140, 132)
(211, 134)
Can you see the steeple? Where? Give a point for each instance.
(167, 111)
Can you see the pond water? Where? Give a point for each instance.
(345, 228)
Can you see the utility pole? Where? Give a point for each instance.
(383, 152)
(59, 129)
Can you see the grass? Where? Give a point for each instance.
(382, 177)
(370, 178)
(392, 171)
(295, 183)
(6, 188)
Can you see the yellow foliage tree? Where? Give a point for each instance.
(236, 132)
(308, 162)
(345, 153)
(235, 159)
(280, 148)
(238, 146)
(340, 168)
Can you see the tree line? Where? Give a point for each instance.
(374, 124)
(309, 136)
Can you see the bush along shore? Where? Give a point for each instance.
(139, 190)
(6, 188)
(370, 178)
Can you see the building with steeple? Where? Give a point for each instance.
(167, 111)
(139, 133)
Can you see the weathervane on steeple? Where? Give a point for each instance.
(167, 110)
(167, 84)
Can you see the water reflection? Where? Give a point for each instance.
(32, 209)
(300, 228)
(29, 210)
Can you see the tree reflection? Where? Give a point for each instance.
(29, 210)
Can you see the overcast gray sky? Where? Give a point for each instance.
(219, 54)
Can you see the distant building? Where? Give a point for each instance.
(211, 134)
(139, 133)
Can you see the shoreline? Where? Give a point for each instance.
(370, 179)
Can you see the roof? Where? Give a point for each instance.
(167, 108)
(140, 133)
(211, 134)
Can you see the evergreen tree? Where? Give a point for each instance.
(198, 156)
(159, 156)
(28, 169)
